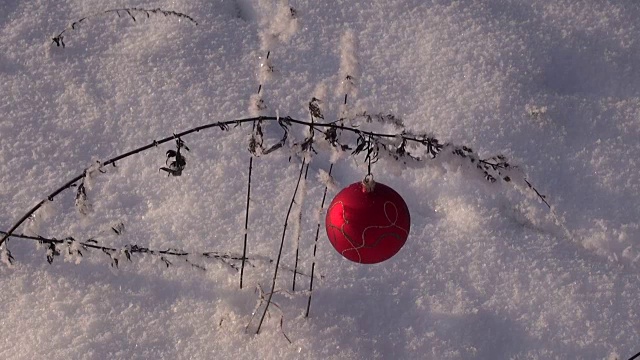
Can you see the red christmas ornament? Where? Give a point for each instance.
(368, 222)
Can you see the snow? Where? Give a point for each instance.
(488, 271)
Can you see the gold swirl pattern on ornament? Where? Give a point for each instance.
(356, 247)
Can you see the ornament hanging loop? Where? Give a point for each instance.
(368, 184)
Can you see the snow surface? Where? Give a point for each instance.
(487, 272)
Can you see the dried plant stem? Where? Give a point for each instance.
(431, 144)
(260, 85)
(295, 266)
(315, 241)
(542, 197)
(129, 249)
(315, 247)
(284, 232)
(246, 219)
(246, 222)
(295, 269)
(59, 39)
(132, 249)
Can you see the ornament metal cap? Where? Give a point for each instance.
(368, 184)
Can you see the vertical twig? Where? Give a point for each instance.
(246, 219)
(369, 155)
(315, 242)
(315, 248)
(246, 223)
(284, 231)
(311, 132)
(260, 85)
(295, 267)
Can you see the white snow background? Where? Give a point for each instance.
(488, 272)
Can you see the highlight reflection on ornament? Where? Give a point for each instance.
(368, 223)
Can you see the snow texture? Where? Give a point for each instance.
(348, 73)
(488, 271)
(279, 24)
(349, 69)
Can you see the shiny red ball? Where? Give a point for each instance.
(368, 227)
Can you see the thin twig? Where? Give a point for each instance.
(59, 39)
(542, 197)
(127, 250)
(432, 145)
(295, 267)
(315, 247)
(252, 149)
(284, 231)
(133, 248)
(261, 296)
(246, 222)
